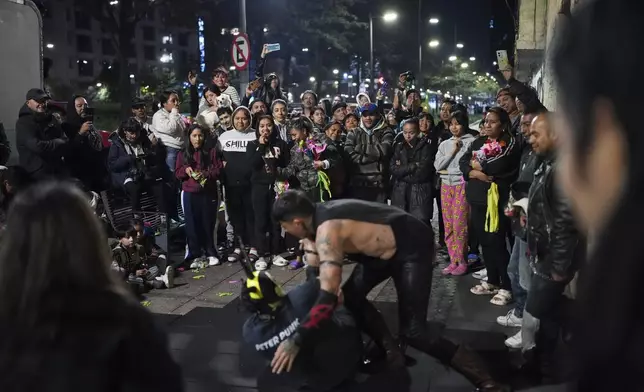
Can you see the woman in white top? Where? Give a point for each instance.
(453, 203)
(169, 126)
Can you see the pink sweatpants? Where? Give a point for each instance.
(455, 217)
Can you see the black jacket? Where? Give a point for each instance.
(101, 342)
(123, 164)
(412, 172)
(265, 159)
(369, 155)
(5, 146)
(503, 168)
(554, 242)
(41, 143)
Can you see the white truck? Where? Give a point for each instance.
(21, 67)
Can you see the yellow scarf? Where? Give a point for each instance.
(492, 213)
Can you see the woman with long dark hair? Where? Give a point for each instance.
(198, 170)
(489, 166)
(267, 154)
(601, 146)
(66, 322)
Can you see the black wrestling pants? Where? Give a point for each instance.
(412, 276)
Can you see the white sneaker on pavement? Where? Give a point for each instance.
(196, 263)
(212, 261)
(168, 277)
(480, 274)
(509, 320)
(514, 341)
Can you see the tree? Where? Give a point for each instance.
(326, 27)
(462, 81)
(119, 18)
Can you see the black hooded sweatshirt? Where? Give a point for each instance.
(84, 159)
(41, 144)
(266, 158)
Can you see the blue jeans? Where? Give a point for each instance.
(171, 158)
(517, 269)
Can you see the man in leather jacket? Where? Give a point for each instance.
(369, 149)
(556, 250)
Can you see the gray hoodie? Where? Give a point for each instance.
(446, 161)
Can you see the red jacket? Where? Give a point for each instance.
(188, 184)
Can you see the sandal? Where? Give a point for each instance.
(261, 264)
(235, 256)
(253, 256)
(502, 298)
(279, 261)
(484, 289)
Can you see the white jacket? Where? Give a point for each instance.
(169, 127)
(446, 161)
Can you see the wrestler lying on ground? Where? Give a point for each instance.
(385, 242)
(333, 355)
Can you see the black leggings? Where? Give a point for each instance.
(134, 189)
(240, 211)
(495, 249)
(412, 276)
(263, 197)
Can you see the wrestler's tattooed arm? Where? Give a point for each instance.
(329, 246)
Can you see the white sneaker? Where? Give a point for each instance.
(168, 278)
(212, 261)
(261, 264)
(514, 341)
(480, 274)
(279, 261)
(509, 320)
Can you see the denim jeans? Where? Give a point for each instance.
(171, 158)
(517, 269)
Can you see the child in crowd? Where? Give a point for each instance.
(266, 154)
(453, 202)
(198, 170)
(145, 238)
(130, 261)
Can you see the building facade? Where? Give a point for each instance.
(539, 21)
(80, 47)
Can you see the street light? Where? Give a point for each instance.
(266, 29)
(452, 58)
(472, 58)
(305, 49)
(99, 84)
(387, 17)
(335, 72)
(464, 65)
(494, 63)
(50, 46)
(390, 16)
(474, 73)
(434, 43)
(131, 76)
(460, 45)
(434, 21)
(312, 79)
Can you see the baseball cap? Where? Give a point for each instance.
(370, 108)
(37, 94)
(138, 102)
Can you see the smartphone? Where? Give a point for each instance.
(272, 48)
(88, 114)
(502, 60)
(255, 84)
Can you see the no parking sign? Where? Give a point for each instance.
(240, 52)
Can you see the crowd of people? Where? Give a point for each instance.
(495, 191)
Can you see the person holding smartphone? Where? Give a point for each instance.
(84, 160)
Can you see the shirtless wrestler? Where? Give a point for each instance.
(386, 242)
